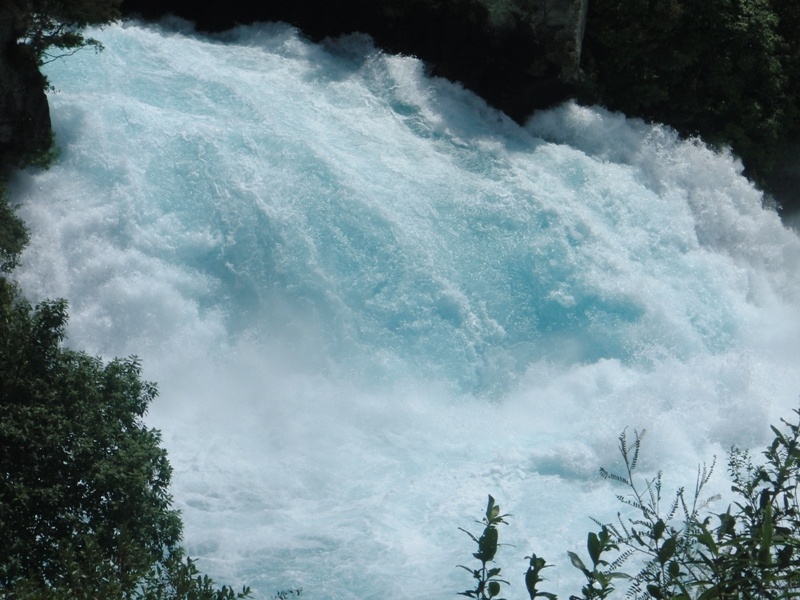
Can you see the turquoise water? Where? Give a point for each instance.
(369, 300)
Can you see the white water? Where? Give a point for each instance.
(369, 301)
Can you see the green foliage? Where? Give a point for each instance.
(599, 579)
(752, 552)
(533, 577)
(177, 578)
(746, 552)
(48, 25)
(487, 580)
(683, 552)
(44, 160)
(664, 538)
(721, 69)
(13, 234)
(288, 593)
(81, 473)
(85, 508)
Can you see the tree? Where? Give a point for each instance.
(82, 477)
(720, 69)
(13, 234)
(684, 551)
(85, 508)
(43, 25)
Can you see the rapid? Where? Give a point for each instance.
(369, 300)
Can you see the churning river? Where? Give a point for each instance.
(369, 300)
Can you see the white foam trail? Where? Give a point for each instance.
(369, 300)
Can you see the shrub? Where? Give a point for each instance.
(752, 550)
(13, 234)
(44, 25)
(721, 69)
(85, 507)
(487, 581)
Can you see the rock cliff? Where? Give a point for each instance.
(24, 113)
(560, 25)
(519, 55)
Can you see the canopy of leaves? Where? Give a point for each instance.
(44, 25)
(722, 69)
(82, 479)
(85, 509)
(13, 235)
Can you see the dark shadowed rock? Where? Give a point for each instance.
(784, 181)
(560, 24)
(24, 113)
(518, 61)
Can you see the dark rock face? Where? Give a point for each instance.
(516, 65)
(784, 181)
(24, 112)
(560, 25)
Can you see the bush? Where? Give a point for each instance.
(44, 25)
(13, 234)
(85, 507)
(487, 581)
(752, 550)
(721, 69)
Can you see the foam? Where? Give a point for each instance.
(369, 300)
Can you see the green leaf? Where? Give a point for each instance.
(765, 553)
(705, 538)
(578, 563)
(474, 539)
(593, 546)
(674, 569)
(654, 591)
(727, 525)
(658, 529)
(667, 550)
(491, 510)
(494, 589)
(487, 545)
(785, 556)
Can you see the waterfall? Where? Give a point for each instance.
(369, 300)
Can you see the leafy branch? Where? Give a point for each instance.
(750, 552)
(488, 581)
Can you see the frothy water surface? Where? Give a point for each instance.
(369, 300)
